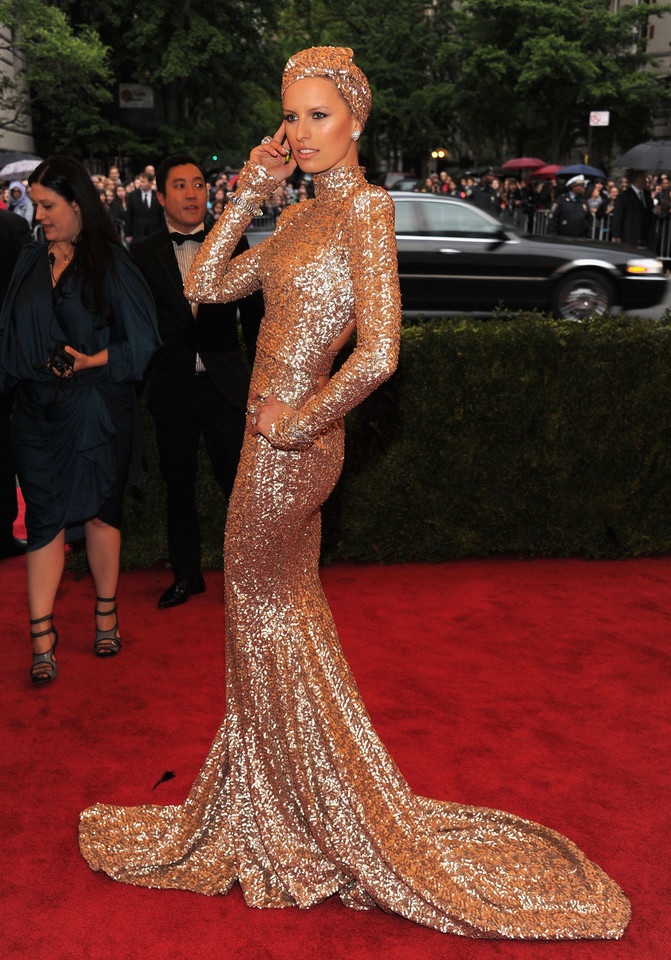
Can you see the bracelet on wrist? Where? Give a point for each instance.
(247, 206)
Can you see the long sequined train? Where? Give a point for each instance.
(298, 798)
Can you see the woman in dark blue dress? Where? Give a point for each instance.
(78, 329)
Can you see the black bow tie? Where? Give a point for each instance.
(179, 238)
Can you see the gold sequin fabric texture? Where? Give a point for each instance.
(298, 798)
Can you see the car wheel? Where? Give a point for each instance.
(581, 295)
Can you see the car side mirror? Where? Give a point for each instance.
(498, 238)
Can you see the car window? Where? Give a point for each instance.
(436, 218)
(407, 220)
(456, 219)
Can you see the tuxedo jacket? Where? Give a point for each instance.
(633, 221)
(141, 220)
(213, 334)
(14, 232)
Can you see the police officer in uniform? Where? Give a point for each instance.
(483, 196)
(570, 215)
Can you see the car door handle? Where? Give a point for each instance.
(448, 250)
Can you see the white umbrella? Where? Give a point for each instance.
(19, 170)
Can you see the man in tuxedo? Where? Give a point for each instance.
(144, 214)
(198, 380)
(633, 214)
(14, 232)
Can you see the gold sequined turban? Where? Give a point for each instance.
(336, 63)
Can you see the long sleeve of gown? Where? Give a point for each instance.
(371, 247)
(214, 277)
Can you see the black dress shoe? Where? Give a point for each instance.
(12, 548)
(180, 591)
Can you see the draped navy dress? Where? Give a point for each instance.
(72, 438)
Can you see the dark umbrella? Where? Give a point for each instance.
(653, 155)
(583, 168)
(523, 163)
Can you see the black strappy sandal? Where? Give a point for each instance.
(44, 668)
(107, 642)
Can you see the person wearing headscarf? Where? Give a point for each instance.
(19, 201)
(298, 799)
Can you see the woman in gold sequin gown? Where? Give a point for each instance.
(298, 798)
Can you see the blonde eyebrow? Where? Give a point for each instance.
(319, 107)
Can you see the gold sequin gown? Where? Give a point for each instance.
(298, 798)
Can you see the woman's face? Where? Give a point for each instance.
(120, 192)
(60, 219)
(319, 125)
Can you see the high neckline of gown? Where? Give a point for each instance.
(338, 182)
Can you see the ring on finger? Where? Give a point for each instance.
(267, 140)
(262, 397)
(254, 421)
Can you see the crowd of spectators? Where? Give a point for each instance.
(505, 197)
(114, 192)
(526, 203)
(519, 200)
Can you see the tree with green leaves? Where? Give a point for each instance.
(524, 74)
(485, 78)
(205, 63)
(61, 78)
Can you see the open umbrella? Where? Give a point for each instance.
(523, 163)
(547, 172)
(9, 156)
(577, 168)
(653, 155)
(19, 170)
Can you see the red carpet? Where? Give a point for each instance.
(538, 687)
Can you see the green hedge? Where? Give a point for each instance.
(521, 434)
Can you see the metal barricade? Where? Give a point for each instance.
(602, 229)
(540, 223)
(266, 222)
(664, 238)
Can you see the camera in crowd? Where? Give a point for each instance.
(60, 362)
